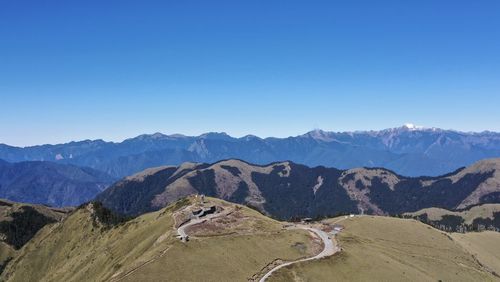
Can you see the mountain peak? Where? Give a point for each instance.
(215, 135)
(157, 135)
(411, 126)
(319, 134)
(407, 127)
(250, 137)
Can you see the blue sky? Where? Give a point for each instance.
(116, 69)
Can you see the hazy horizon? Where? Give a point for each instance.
(117, 69)
(417, 127)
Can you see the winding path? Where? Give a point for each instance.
(182, 229)
(330, 248)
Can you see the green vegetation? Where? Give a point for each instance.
(105, 216)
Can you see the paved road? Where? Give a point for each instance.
(182, 229)
(329, 249)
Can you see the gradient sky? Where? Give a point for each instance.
(72, 70)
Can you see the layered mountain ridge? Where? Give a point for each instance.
(286, 190)
(408, 150)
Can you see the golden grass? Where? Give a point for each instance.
(485, 246)
(6, 252)
(225, 258)
(390, 249)
(7, 208)
(145, 249)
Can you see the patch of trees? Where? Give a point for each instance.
(240, 194)
(107, 217)
(453, 223)
(204, 182)
(179, 204)
(292, 197)
(232, 169)
(481, 224)
(24, 225)
(491, 198)
(411, 195)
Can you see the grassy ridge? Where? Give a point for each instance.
(145, 249)
(19, 222)
(390, 249)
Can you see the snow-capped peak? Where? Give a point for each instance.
(411, 126)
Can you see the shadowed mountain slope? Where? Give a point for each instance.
(20, 222)
(286, 190)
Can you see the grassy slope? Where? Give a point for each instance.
(145, 249)
(481, 211)
(6, 252)
(390, 249)
(485, 246)
(7, 208)
(233, 258)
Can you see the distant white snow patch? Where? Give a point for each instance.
(59, 157)
(411, 126)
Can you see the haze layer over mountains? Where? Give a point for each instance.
(408, 150)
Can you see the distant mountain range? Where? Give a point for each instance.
(407, 150)
(54, 184)
(287, 190)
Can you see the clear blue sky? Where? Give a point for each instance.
(73, 70)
